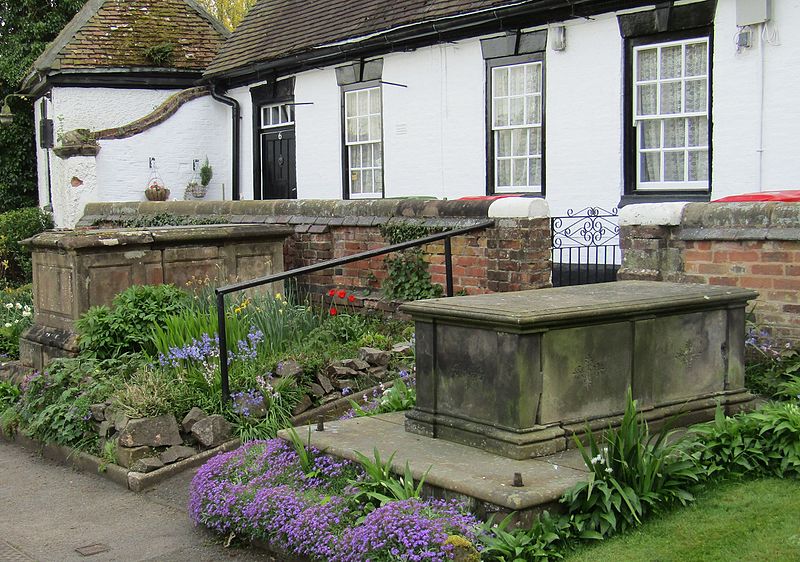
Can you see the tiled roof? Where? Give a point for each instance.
(116, 34)
(277, 28)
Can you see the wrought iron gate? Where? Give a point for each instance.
(585, 247)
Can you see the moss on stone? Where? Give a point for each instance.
(463, 550)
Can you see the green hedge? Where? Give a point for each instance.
(15, 261)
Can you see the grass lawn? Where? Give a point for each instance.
(740, 521)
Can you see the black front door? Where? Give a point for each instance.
(277, 164)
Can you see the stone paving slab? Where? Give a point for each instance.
(453, 467)
(8, 553)
(48, 511)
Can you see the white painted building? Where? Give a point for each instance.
(584, 102)
(717, 115)
(99, 76)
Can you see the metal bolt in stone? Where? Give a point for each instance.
(518, 480)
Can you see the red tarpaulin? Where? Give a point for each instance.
(789, 195)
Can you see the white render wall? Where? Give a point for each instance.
(583, 117)
(242, 95)
(738, 109)
(102, 108)
(434, 128)
(200, 128)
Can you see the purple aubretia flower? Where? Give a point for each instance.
(259, 491)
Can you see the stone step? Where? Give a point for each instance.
(482, 478)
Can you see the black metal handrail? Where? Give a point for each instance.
(227, 289)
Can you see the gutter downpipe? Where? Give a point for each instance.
(236, 155)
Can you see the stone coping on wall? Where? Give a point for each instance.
(323, 213)
(719, 221)
(75, 240)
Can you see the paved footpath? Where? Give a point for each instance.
(47, 511)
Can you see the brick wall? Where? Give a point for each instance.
(512, 256)
(751, 245)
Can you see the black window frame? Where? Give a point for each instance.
(355, 86)
(538, 56)
(630, 193)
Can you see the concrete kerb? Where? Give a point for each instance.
(134, 481)
(140, 481)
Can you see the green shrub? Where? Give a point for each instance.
(16, 314)
(380, 485)
(128, 326)
(402, 395)
(635, 473)
(283, 322)
(154, 392)
(54, 406)
(167, 219)
(761, 443)
(541, 541)
(790, 388)
(409, 278)
(15, 261)
(769, 364)
(261, 413)
(9, 394)
(161, 54)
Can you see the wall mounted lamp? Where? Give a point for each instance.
(559, 41)
(6, 115)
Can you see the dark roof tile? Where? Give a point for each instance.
(274, 29)
(117, 33)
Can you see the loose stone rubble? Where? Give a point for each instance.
(147, 444)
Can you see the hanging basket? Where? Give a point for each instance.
(155, 191)
(196, 190)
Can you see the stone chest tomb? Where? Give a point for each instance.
(517, 374)
(74, 270)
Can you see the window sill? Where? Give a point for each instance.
(664, 197)
(497, 193)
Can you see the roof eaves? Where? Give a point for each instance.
(354, 42)
(420, 22)
(318, 53)
(222, 68)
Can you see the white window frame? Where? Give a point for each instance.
(638, 120)
(527, 126)
(372, 144)
(285, 115)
